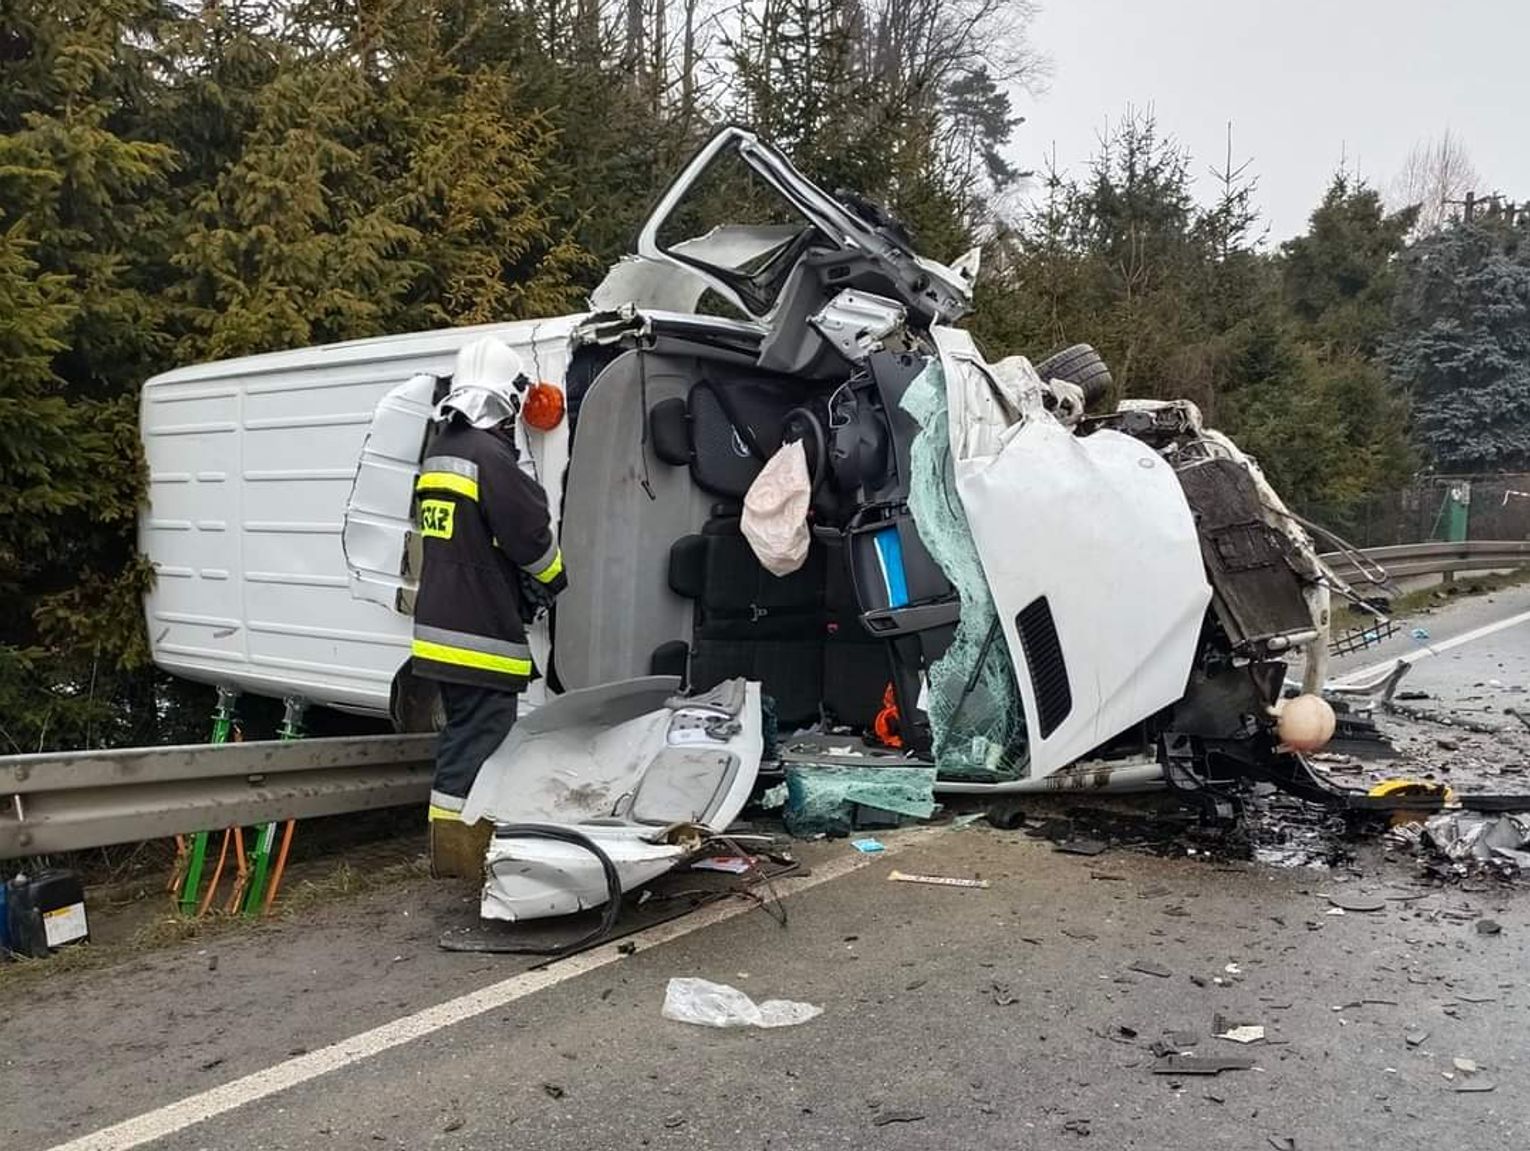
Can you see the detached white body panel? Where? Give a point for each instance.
(251, 462)
(618, 764)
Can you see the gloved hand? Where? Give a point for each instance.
(536, 599)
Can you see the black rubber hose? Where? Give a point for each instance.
(608, 919)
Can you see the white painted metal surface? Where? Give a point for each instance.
(250, 463)
(1100, 527)
(588, 761)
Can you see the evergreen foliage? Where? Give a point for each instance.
(188, 179)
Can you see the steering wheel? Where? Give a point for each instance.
(819, 452)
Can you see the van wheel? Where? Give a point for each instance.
(1080, 365)
(415, 704)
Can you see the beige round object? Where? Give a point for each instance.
(1306, 723)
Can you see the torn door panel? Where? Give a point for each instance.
(621, 764)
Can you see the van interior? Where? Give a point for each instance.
(667, 440)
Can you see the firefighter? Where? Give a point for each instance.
(486, 531)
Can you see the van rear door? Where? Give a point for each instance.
(382, 553)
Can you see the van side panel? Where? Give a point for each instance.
(250, 462)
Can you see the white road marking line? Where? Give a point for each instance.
(1437, 648)
(217, 1101)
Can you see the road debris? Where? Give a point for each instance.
(936, 880)
(885, 1118)
(1199, 1065)
(1415, 1038)
(1246, 1033)
(1002, 996)
(867, 846)
(1348, 902)
(728, 864)
(1469, 1066)
(1148, 967)
(707, 1004)
(1081, 847)
(1488, 927)
(1473, 843)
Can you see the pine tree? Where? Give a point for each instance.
(83, 231)
(1461, 345)
(1340, 276)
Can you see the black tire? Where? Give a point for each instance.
(1080, 365)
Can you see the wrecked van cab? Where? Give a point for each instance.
(1022, 586)
(995, 582)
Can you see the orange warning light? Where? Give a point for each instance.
(543, 407)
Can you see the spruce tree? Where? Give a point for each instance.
(1461, 345)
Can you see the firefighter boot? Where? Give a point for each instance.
(457, 849)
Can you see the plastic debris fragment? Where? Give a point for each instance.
(937, 880)
(708, 1004)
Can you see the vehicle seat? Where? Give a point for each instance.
(750, 623)
(724, 431)
(857, 665)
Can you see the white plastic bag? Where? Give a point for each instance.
(776, 508)
(708, 1004)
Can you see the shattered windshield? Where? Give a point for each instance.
(973, 702)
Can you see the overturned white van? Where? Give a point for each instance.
(997, 582)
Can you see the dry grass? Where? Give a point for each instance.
(322, 887)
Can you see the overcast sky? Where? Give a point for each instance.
(1304, 82)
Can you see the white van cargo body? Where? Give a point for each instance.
(251, 462)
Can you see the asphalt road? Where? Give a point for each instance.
(1006, 1017)
(1463, 729)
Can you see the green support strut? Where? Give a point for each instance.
(265, 838)
(222, 728)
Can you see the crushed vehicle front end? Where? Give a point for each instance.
(999, 583)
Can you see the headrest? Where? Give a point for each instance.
(669, 428)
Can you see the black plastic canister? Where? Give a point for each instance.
(45, 911)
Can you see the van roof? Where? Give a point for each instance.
(375, 348)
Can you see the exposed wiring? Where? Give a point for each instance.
(779, 912)
(643, 421)
(1368, 568)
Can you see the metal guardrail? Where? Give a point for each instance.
(1405, 560)
(73, 800)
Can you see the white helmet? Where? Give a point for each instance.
(486, 385)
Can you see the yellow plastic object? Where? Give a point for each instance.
(1410, 787)
(1407, 789)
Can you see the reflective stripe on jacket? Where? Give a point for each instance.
(482, 521)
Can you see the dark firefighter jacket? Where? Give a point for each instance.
(483, 521)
